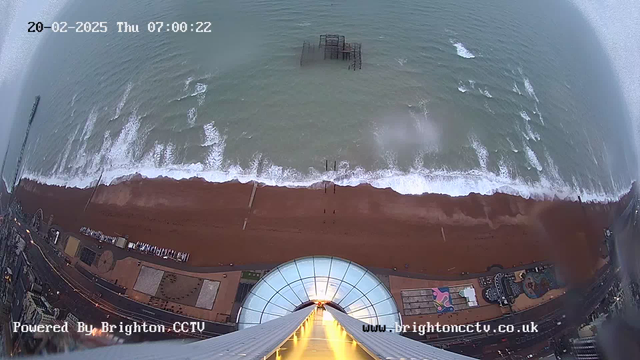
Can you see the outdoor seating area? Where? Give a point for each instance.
(98, 235)
(161, 252)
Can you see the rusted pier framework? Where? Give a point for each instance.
(333, 47)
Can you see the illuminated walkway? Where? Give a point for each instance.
(283, 317)
(320, 337)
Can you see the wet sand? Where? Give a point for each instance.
(429, 234)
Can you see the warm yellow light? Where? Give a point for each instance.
(327, 317)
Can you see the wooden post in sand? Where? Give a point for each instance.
(253, 194)
(93, 192)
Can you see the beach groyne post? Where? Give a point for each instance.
(95, 188)
(253, 195)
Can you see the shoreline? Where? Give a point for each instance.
(403, 183)
(431, 234)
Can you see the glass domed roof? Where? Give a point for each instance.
(319, 278)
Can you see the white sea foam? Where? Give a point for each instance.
(415, 181)
(192, 115)
(539, 114)
(81, 155)
(462, 51)
(169, 154)
(160, 156)
(462, 88)
(99, 158)
(503, 169)
(126, 146)
(472, 83)
(401, 61)
(216, 144)
(530, 133)
(527, 85)
(552, 169)
(187, 82)
(67, 150)
(481, 152)
(154, 157)
(123, 101)
(532, 158)
(516, 89)
(513, 148)
(211, 135)
(489, 109)
(485, 92)
(529, 88)
(304, 24)
(200, 93)
(123, 159)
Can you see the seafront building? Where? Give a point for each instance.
(308, 308)
(322, 305)
(37, 311)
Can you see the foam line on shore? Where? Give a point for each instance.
(414, 182)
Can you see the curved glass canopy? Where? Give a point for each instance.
(319, 278)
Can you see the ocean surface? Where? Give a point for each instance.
(452, 98)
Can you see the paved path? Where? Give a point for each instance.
(94, 294)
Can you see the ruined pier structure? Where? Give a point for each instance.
(332, 47)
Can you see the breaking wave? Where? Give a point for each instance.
(200, 92)
(462, 88)
(527, 85)
(462, 51)
(192, 115)
(532, 158)
(416, 181)
(122, 101)
(537, 111)
(121, 158)
(485, 92)
(481, 152)
(530, 135)
(516, 89)
(187, 82)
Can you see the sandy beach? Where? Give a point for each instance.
(427, 234)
